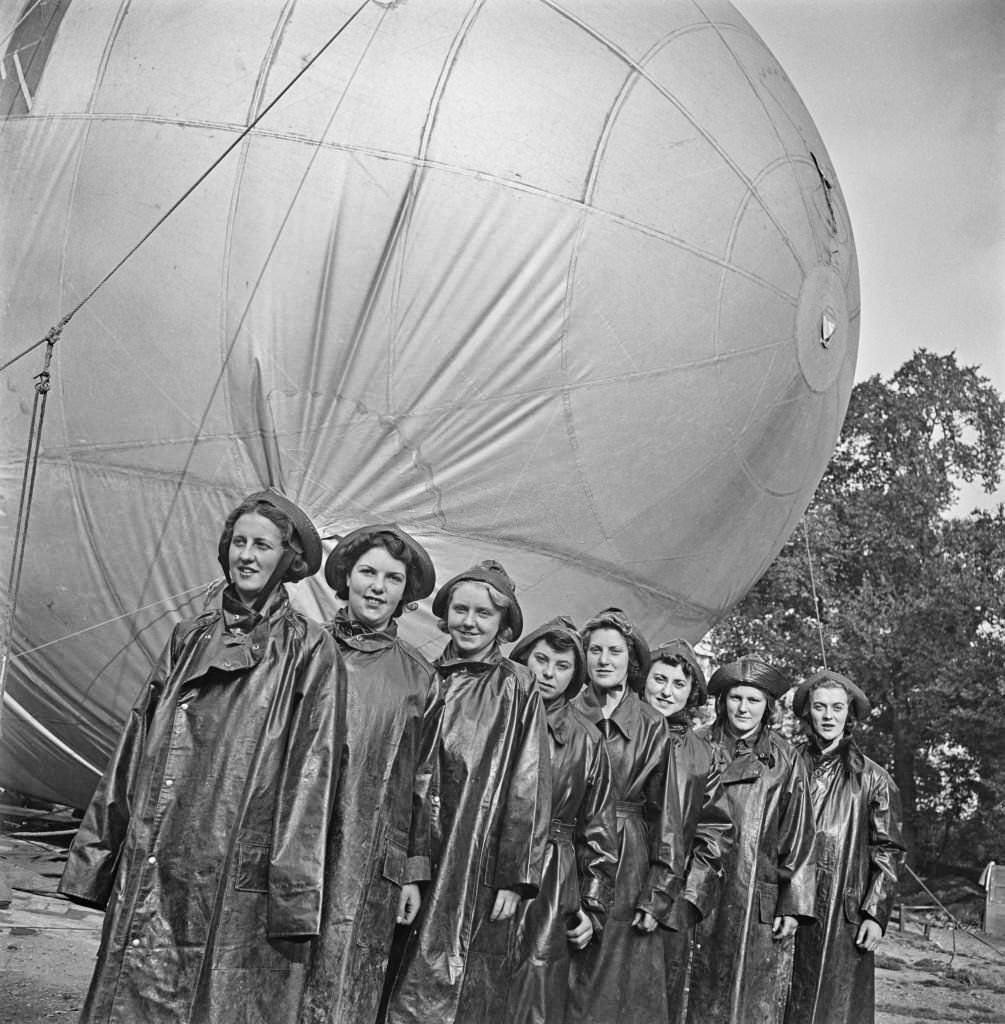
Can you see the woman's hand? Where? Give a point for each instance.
(869, 934)
(580, 934)
(783, 927)
(409, 901)
(505, 905)
(644, 922)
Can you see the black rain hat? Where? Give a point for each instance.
(562, 626)
(489, 572)
(421, 577)
(859, 702)
(749, 672)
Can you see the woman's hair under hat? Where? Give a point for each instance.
(680, 652)
(638, 649)
(492, 574)
(295, 526)
(420, 573)
(559, 630)
(858, 702)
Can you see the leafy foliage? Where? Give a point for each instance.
(911, 598)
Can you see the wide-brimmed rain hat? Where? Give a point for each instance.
(615, 618)
(685, 652)
(749, 672)
(492, 573)
(421, 576)
(560, 626)
(858, 702)
(307, 534)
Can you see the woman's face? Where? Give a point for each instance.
(829, 712)
(667, 688)
(473, 622)
(553, 670)
(607, 659)
(745, 708)
(256, 546)
(376, 584)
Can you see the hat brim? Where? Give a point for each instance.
(749, 672)
(859, 703)
(421, 573)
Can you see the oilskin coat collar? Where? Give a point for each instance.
(557, 716)
(449, 662)
(626, 717)
(357, 635)
(852, 758)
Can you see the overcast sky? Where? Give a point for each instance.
(909, 97)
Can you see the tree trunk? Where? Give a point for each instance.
(903, 774)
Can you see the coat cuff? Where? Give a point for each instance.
(595, 895)
(658, 895)
(417, 869)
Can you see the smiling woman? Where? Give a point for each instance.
(205, 839)
(379, 849)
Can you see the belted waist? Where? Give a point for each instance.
(562, 830)
(630, 809)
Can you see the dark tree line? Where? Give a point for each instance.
(911, 597)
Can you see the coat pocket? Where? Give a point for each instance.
(767, 901)
(852, 910)
(378, 906)
(252, 865)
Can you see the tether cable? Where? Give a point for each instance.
(813, 590)
(42, 385)
(245, 132)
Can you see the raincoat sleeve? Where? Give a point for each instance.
(886, 849)
(597, 839)
(712, 840)
(91, 864)
(796, 854)
(667, 855)
(523, 834)
(305, 792)
(418, 866)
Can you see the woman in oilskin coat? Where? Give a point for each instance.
(622, 977)
(378, 849)
(578, 880)
(205, 838)
(676, 688)
(489, 793)
(859, 850)
(743, 948)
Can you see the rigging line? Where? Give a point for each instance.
(952, 917)
(17, 24)
(813, 588)
(244, 133)
(42, 382)
(217, 384)
(108, 622)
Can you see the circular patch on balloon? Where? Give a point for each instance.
(821, 327)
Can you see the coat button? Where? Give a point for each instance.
(136, 942)
(183, 707)
(169, 783)
(151, 860)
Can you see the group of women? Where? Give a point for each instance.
(307, 823)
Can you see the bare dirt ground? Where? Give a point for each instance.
(48, 945)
